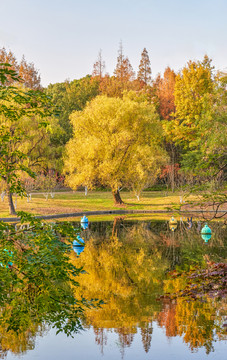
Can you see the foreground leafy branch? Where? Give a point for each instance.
(38, 279)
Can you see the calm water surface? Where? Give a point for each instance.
(126, 264)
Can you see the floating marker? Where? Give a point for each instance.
(84, 225)
(206, 233)
(84, 219)
(173, 224)
(79, 241)
(78, 249)
(78, 245)
(84, 222)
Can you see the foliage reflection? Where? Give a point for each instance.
(127, 267)
(43, 283)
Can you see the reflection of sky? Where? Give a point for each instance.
(83, 347)
(63, 38)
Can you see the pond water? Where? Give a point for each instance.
(133, 266)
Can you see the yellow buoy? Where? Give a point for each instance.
(173, 224)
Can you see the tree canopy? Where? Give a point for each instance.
(115, 140)
(68, 97)
(193, 97)
(22, 113)
(199, 121)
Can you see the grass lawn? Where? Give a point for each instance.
(69, 202)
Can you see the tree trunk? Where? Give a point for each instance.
(116, 225)
(12, 210)
(173, 169)
(117, 197)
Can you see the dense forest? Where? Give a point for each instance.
(125, 130)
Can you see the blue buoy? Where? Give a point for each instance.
(78, 249)
(206, 233)
(84, 222)
(78, 245)
(84, 225)
(84, 219)
(79, 241)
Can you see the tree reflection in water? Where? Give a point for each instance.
(128, 269)
(199, 323)
(124, 264)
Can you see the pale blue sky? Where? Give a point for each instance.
(63, 37)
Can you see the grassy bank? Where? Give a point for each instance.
(69, 202)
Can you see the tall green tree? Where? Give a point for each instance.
(200, 118)
(68, 97)
(17, 104)
(199, 127)
(207, 154)
(111, 137)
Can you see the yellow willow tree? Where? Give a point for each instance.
(111, 137)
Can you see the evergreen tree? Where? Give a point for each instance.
(144, 74)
